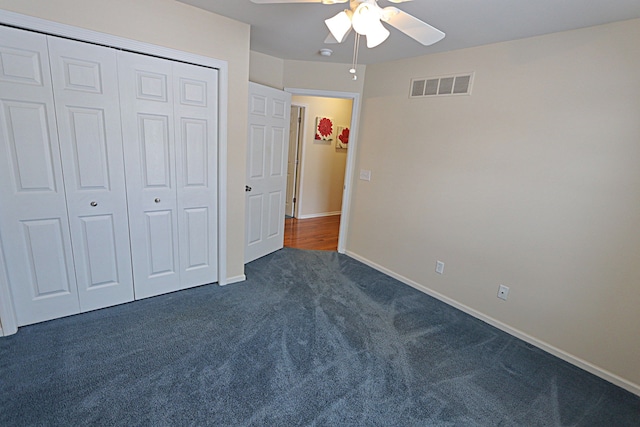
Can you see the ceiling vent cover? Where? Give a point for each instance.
(457, 84)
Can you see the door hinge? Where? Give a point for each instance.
(294, 200)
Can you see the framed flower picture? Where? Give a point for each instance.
(342, 139)
(324, 129)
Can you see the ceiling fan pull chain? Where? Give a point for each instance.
(356, 47)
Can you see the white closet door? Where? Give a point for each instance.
(196, 127)
(33, 210)
(148, 135)
(85, 83)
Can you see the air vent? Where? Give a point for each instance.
(459, 84)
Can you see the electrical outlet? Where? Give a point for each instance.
(439, 267)
(503, 292)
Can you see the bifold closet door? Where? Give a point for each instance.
(147, 124)
(108, 175)
(195, 112)
(169, 127)
(34, 225)
(85, 83)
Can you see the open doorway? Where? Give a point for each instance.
(317, 227)
(319, 168)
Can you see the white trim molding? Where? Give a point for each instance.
(351, 153)
(234, 279)
(576, 361)
(68, 31)
(319, 215)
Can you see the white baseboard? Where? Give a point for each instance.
(231, 280)
(318, 215)
(589, 367)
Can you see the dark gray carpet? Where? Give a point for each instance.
(311, 338)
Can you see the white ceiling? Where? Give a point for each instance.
(297, 31)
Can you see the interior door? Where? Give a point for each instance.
(196, 93)
(149, 145)
(33, 210)
(267, 151)
(85, 83)
(295, 122)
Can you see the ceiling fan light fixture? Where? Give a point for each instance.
(340, 25)
(366, 22)
(377, 35)
(364, 18)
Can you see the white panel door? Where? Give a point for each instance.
(196, 130)
(33, 211)
(148, 135)
(267, 152)
(85, 83)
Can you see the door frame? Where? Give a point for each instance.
(351, 153)
(298, 166)
(8, 320)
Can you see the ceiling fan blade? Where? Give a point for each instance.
(298, 1)
(412, 26)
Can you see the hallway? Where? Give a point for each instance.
(313, 233)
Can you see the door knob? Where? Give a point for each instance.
(94, 204)
(157, 200)
(247, 188)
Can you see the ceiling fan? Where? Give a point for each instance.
(365, 17)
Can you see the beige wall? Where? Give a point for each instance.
(315, 75)
(266, 70)
(322, 76)
(279, 73)
(533, 182)
(322, 164)
(182, 27)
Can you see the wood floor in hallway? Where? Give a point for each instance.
(313, 233)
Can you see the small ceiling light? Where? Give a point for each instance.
(326, 52)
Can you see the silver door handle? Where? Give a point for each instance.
(247, 188)
(94, 204)
(157, 200)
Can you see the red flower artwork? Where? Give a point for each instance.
(344, 136)
(325, 127)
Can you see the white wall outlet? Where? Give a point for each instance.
(365, 175)
(439, 267)
(503, 292)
